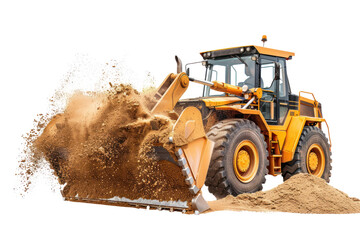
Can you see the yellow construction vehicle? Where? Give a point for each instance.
(246, 124)
(257, 125)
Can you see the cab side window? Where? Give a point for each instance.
(268, 75)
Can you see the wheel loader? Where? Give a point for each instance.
(247, 124)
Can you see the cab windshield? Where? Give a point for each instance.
(236, 71)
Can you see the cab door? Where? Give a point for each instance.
(274, 103)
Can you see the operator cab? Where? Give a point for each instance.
(253, 66)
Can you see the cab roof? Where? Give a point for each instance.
(246, 50)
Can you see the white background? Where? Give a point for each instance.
(40, 41)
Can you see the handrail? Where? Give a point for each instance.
(319, 112)
(306, 93)
(327, 125)
(316, 102)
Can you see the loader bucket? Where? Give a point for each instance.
(112, 150)
(189, 151)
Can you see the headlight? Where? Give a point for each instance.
(248, 49)
(245, 88)
(242, 50)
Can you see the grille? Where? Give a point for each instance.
(306, 109)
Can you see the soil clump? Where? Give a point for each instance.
(302, 193)
(99, 148)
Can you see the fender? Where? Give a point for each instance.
(253, 115)
(293, 134)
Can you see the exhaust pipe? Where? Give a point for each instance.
(179, 64)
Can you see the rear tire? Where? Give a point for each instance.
(312, 155)
(239, 160)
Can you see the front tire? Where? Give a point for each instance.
(312, 155)
(239, 160)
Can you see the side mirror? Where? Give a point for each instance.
(188, 72)
(277, 71)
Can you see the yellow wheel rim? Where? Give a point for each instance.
(246, 161)
(315, 160)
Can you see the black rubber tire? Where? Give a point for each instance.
(227, 134)
(309, 136)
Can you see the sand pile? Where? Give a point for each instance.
(302, 193)
(99, 148)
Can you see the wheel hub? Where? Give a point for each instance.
(246, 161)
(243, 161)
(313, 161)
